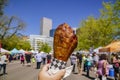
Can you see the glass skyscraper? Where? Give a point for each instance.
(52, 31)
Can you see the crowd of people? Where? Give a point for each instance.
(100, 64)
(40, 58)
(25, 59)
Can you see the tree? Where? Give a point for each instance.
(2, 5)
(110, 14)
(89, 34)
(100, 31)
(44, 47)
(16, 42)
(10, 26)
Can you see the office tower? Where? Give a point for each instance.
(46, 26)
(52, 31)
(34, 39)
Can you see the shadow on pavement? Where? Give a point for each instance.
(92, 78)
(1, 74)
(75, 73)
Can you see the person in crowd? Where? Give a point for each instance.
(73, 60)
(28, 59)
(38, 60)
(17, 56)
(91, 60)
(3, 61)
(14, 57)
(83, 62)
(79, 62)
(10, 58)
(103, 69)
(95, 60)
(33, 59)
(44, 55)
(0, 63)
(22, 59)
(49, 57)
(43, 74)
(115, 62)
(88, 64)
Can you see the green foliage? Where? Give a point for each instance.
(15, 42)
(111, 13)
(89, 34)
(100, 31)
(44, 47)
(9, 28)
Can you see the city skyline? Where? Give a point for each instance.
(71, 12)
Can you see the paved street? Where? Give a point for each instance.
(18, 72)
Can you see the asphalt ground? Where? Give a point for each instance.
(16, 71)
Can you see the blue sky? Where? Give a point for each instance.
(60, 11)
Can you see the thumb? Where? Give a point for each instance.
(59, 75)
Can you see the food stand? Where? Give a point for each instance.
(113, 47)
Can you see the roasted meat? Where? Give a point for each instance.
(65, 41)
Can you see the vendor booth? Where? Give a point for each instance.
(14, 51)
(113, 47)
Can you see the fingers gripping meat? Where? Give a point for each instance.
(65, 41)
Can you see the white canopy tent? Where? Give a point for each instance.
(4, 50)
(14, 51)
(22, 51)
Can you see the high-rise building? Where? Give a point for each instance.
(34, 39)
(46, 26)
(52, 31)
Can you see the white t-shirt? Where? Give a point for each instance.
(73, 59)
(38, 57)
(3, 59)
(96, 58)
